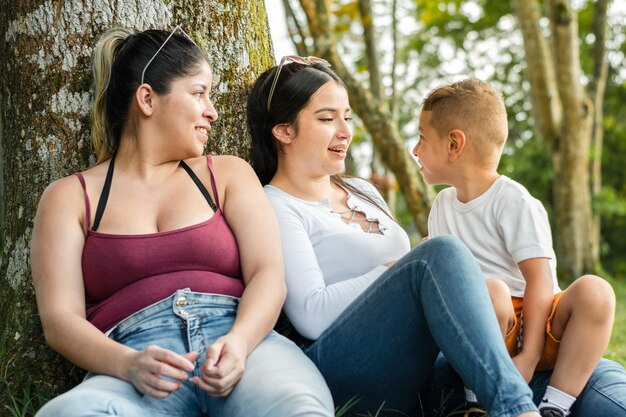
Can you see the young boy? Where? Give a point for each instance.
(463, 127)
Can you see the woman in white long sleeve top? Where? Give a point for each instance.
(376, 314)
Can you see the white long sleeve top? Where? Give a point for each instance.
(329, 263)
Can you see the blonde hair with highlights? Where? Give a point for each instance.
(474, 107)
(103, 143)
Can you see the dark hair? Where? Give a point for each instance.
(119, 60)
(296, 85)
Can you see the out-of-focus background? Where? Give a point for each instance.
(564, 91)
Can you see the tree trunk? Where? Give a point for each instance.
(44, 102)
(597, 88)
(564, 115)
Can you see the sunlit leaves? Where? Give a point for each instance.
(346, 14)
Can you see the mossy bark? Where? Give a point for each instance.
(44, 102)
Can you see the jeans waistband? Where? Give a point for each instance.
(182, 303)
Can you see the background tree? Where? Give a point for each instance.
(44, 102)
(568, 116)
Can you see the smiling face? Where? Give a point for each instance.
(431, 152)
(184, 115)
(319, 139)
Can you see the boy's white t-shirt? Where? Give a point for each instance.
(502, 227)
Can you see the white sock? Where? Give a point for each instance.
(557, 398)
(470, 397)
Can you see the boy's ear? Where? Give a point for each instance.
(145, 99)
(283, 132)
(456, 144)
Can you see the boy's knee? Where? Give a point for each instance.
(594, 295)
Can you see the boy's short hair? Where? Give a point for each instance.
(474, 107)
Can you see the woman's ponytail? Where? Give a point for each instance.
(103, 142)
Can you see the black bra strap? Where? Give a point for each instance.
(199, 184)
(104, 196)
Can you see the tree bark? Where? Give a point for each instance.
(564, 115)
(597, 88)
(369, 38)
(44, 102)
(380, 176)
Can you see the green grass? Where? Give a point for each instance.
(24, 404)
(13, 403)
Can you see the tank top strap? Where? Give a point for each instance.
(209, 162)
(87, 204)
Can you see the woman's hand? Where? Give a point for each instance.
(224, 365)
(158, 372)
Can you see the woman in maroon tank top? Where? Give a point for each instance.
(166, 293)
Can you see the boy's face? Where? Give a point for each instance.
(431, 152)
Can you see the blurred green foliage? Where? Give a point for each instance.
(447, 40)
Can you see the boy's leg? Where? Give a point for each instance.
(582, 321)
(605, 392)
(500, 295)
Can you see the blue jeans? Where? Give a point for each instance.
(278, 380)
(603, 396)
(382, 348)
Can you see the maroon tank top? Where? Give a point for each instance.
(125, 273)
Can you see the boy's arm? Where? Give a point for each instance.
(536, 310)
